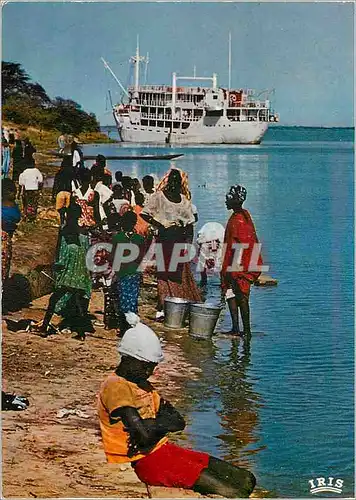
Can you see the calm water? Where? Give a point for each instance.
(285, 404)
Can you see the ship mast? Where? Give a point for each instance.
(229, 82)
(137, 64)
(136, 59)
(146, 67)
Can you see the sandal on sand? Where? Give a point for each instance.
(13, 402)
(38, 328)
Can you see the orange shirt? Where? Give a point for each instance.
(117, 392)
(141, 225)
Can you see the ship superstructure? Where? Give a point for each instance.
(199, 114)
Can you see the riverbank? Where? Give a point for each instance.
(35, 243)
(46, 455)
(45, 140)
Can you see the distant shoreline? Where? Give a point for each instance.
(280, 127)
(311, 127)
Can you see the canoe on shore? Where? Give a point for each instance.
(125, 157)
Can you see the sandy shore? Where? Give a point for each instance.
(45, 455)
(48, 456)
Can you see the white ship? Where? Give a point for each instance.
(175, 114)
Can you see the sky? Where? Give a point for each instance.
(304, 51)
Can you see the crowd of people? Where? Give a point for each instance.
(98, 213)
(103, 212)
(18, 165)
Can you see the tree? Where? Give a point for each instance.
(28, 103)
(72, 117)
(16, 82)
(20, 110)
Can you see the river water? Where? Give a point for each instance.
(283, 405)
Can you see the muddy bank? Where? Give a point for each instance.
(48, 456)
(34, 248)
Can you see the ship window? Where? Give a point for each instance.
(144, 122)
(175, 124)
(215, 96)
(135, 128)
(152, 123)
(160, 124)
(215, 112)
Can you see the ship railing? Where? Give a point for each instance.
(149, 116)
(168, 90)
(161, 104)
(168, 104)
(255, 103)
(153, 88)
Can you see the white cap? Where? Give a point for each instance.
(211, 231)
(140, 341)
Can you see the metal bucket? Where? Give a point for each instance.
(203, 319)
(175, 312)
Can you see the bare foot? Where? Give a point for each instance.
(233, 333)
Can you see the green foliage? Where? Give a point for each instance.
(72, 118)
(25, 102)
(16, 83)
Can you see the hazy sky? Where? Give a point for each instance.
(302, 50)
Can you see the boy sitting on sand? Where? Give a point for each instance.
(135, 421)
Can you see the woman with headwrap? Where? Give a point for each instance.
(72, 288)
(169, 209)
(236, 284)
(184, 182)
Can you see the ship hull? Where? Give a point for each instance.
(222, 131)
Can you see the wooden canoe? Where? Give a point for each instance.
(125, 157)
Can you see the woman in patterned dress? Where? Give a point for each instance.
(128, 275)
(169, 210)
(72, 288)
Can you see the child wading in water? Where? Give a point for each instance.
(135, 421)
